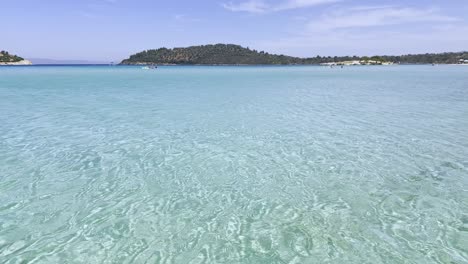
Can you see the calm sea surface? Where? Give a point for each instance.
(234, 165)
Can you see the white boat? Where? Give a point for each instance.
(151, 67)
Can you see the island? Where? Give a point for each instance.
(231, 54)
(219, 54)
(9, 59)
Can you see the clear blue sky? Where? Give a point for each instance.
(110, 30)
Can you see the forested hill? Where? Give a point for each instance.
(229, 54)
(209, 54)
(5, 57)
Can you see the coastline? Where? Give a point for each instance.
(198, 64)
(17, 63)
(292, 64)
(23, 63)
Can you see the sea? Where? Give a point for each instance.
(234, 164)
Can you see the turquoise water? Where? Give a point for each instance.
(234, 165)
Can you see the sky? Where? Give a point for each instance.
(111, 30)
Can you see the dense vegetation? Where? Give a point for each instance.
(438, 58)
(209, 54)
(6, 57)
(234, 54)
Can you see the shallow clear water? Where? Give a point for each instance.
(234, 165)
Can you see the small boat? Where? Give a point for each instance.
(150, 67)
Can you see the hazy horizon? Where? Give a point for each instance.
(111, 30)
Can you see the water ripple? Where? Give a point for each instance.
(224, 165)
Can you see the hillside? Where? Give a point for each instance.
(209, 54)
(230, 54)
(9, 59)
(6, 57)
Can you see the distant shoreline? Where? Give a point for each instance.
(292, 64)
(215, 65)
(17, 63)
(232, 54)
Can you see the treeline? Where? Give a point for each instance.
(7, 57)
(209, 54)
(231, 54)
(428, 58)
